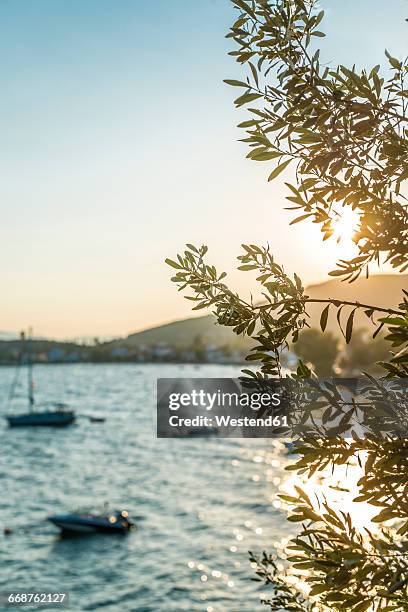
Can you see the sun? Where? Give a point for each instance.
(345, 225)
(344, 228)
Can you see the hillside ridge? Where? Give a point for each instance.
(379, 290)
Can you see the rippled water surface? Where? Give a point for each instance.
(200, 504)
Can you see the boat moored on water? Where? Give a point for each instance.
(46, 418)
(81, 523)
(58, 416)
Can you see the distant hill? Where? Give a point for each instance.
(181, 334)
(381, 290)
(202, 332)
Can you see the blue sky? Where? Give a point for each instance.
(120, 145)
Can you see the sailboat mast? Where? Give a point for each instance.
(30, 372)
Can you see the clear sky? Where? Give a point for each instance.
(118, 145)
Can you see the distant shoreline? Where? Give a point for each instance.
(124, 362)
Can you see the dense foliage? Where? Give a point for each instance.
(345, 133)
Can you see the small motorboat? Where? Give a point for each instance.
(80, 523)
(97, 419)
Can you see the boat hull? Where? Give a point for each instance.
(75, 525)
(42, 419)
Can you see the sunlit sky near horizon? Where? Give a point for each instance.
(119, 144)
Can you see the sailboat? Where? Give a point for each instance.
(59, 416)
